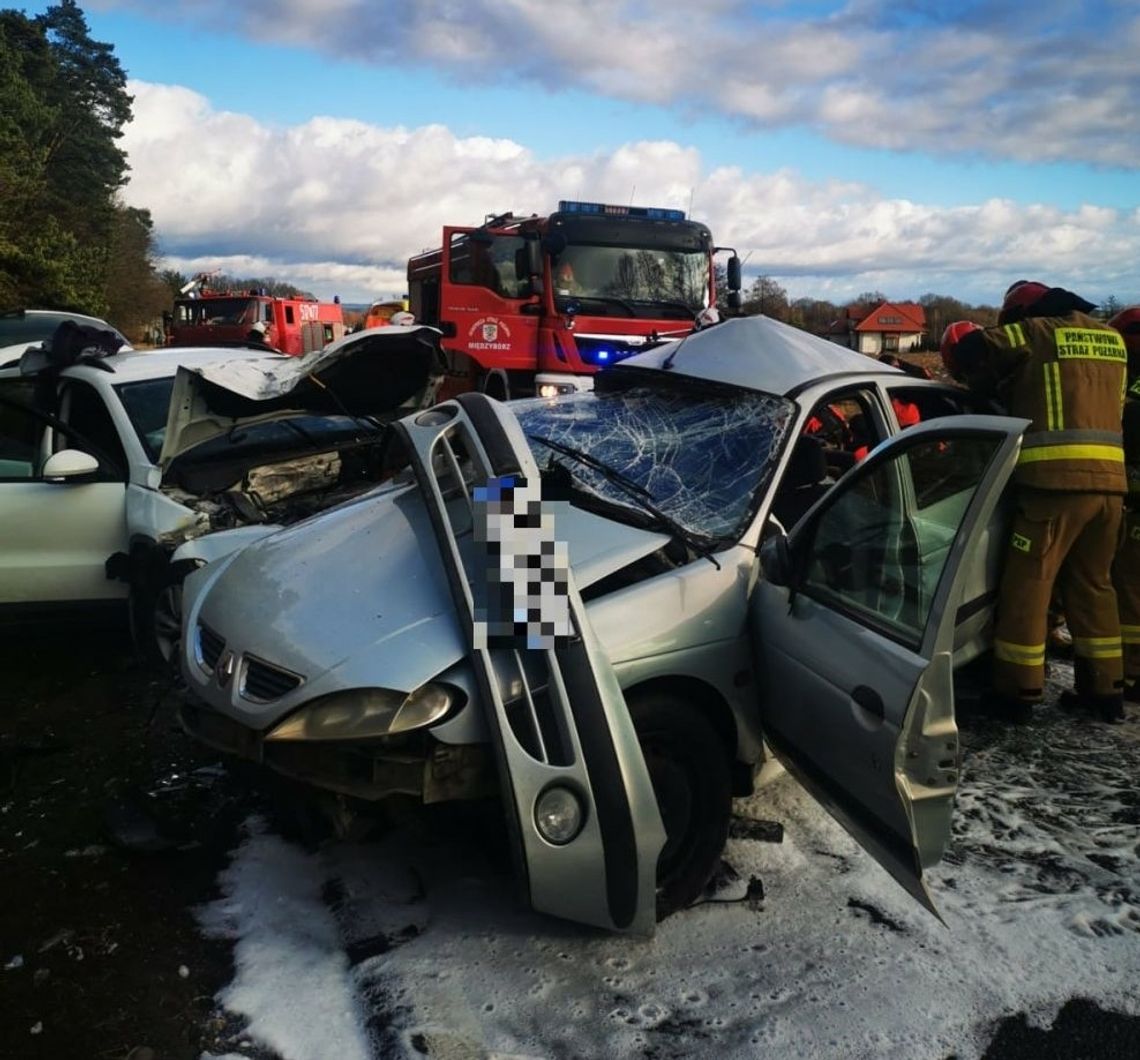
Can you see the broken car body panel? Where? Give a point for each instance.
(555, 710)
(393, 369)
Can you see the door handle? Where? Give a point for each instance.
(869, 700)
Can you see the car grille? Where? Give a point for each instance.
(263, 682)
(210, 646)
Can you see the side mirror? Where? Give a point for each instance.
(776, 563)
(534, 265)
(734, 300)
(733, 273)
(69, 464)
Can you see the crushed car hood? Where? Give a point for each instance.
(361, 590)
(383, 372)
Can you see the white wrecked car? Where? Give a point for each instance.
(110, 462)
(364, 651)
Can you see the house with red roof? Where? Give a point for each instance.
(889, 327)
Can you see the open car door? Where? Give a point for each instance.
(853, 622)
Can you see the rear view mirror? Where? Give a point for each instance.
(733, 273)
(69, 464)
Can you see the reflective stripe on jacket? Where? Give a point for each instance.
(1066, 374)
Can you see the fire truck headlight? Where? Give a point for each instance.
(550, 390)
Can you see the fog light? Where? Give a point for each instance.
(548, 390)
(558, 815)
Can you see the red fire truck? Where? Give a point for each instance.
(205, 317)
(538, 304)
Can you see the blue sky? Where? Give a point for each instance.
(905, 147)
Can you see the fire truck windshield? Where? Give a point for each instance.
(632, 281)
(215, 311)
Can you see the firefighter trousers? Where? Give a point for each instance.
(1067, 540)
(1126, 580)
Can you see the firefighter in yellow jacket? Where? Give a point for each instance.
(1126, 568)
(1048, 361)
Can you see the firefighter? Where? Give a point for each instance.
(1126, 567)
(1048, 361)
(257, 335)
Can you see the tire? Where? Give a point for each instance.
(156, 615)
(689, 766)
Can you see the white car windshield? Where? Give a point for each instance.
(701, 457)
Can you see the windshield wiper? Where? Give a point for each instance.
(671, 304)
(697, 544)
(607, 299)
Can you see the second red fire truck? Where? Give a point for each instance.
(207, 317)
(538, 304)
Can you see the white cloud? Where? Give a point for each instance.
(338, 206)
(980, 77)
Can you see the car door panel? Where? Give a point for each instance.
(56, 536)
(855, 653)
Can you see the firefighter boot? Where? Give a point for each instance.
(1110, 709)
(1007, 708)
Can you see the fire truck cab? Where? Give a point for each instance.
(294, 326)
(538, 304)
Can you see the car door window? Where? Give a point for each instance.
(20, 433)
(848, 425)
(90, 426)
(934, 401)
(878, 551)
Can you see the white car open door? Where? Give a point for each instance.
(853, 623)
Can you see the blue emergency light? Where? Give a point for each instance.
(647, 213)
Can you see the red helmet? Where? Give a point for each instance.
(1127, 322)
(954, 334)
(1020, 296)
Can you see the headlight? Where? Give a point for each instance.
(558, 815)
(550, 390)
(364, 713)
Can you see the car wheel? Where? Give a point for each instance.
(156, 615)
(689, 768)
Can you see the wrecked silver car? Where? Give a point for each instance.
(118, 468)
(613, 648)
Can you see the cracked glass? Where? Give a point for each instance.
(702, 458)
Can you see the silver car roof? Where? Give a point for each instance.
(759, 353)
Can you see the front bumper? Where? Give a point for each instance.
(412, 764)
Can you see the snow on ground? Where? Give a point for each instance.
(414, 945)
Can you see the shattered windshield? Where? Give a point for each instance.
(634, 281)
(704, 458)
